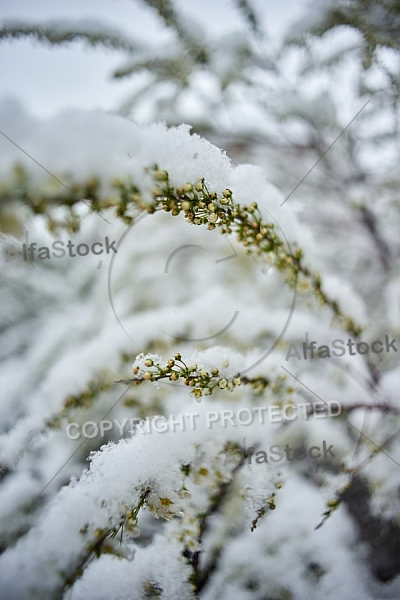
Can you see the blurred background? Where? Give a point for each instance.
(49, 79)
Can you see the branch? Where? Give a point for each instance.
(200, 577)
(202, 382)
(166, 11)
(57, 33)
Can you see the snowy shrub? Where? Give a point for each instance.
(201, 275)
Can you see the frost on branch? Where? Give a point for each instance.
(204, 518)
(170, 477)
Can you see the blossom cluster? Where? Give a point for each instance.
(200, 206)
(203, 382)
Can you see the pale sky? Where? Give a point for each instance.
(48, 79)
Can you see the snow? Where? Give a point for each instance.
(68, 322)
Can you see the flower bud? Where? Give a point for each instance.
(197, 394)
(161, 175)
(135, 532)
(98, 533)
(333, 503)
(184, 493)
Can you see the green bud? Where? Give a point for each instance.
(161, 175)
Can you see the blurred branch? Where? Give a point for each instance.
(201, 576)
(57, 33)
(193, 46)
(382, 535)
(370, 222)
(247, 11)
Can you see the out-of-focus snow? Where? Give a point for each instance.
(59, 331)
